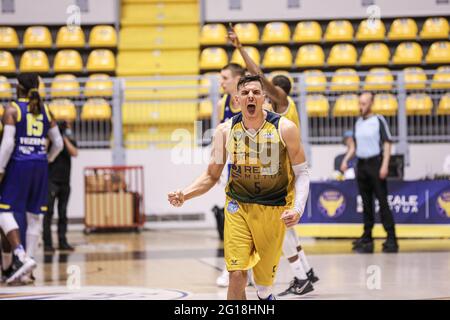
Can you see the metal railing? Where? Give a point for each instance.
(176, 111)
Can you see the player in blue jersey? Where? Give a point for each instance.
(24, 173)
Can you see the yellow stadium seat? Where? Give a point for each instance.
(159, 37)
(161, 89)
(307, 31)
(205, 109)
(252, 52)
(435, 28)
(346, 105)
(439, 52)
(34, 61)
(213, 58)
(5, 88)
(248, 33)
(277, 57)
(213, 34)
(441, 79)
(339, 30)
(103, 36)
(2, 111)
(7, 63)
(370, 30)
(98, 85)
(160, 13)
(403, 29)
(379, 79)
(276, 32)
(310, 55)
(37, 37)
(101, 60)
(385, 104)
(444, 105)
(157, 62)
(408, 53)
(63, 109)
(315, 81)
(415, 78)
(159, 113)
(317, 105)
(418, 104)
(342, 55)
(68, 61)
(375, 54)
(96, 109)
(345, 79)
(8, 38)
(72, 37)
(65, 85)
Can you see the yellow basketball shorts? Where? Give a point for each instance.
(253, 238)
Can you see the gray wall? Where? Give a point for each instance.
(54, 12)
(263, 10)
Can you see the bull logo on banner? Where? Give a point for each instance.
(331, 203)
(443, 204)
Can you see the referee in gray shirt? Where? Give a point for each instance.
(373, 150)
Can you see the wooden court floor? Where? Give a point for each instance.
(184, 264)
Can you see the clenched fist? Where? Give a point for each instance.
(290, 218)
(176, 198)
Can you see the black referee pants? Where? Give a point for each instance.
(370, 184)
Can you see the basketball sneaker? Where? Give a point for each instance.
(20, 267)
(298, 287)
(390, 246)
(311, 276)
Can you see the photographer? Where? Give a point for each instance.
(59, 189)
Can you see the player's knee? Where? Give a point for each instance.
(238, 276)
(7, 222)
(263, 291)
(34, 222)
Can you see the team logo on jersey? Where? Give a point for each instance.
(238, 135)
(443, 204)
(268, 135)
(331, 203)
(91, 293)
(233, 206)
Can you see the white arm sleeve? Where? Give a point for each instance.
(7, 146)
(301, 187)
(57, 143)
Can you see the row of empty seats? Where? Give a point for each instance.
(347, 79)
(336, 31)
(67, 60)
(345, 54)
(67, 37)
(386, 104)
(65, 109)
(66, 85)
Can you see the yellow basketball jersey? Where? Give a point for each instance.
(260, 171)
(290, 113)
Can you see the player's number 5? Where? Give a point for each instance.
(35, 125)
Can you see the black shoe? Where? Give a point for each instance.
(298, 287)
(49, 249)
(390, 246)
(364, 247)
(66, 247)
(360, 240)
(311, 276)
(19, 268)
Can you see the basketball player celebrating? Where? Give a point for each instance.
(268, 166)
(23, 173)
(278, 90)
